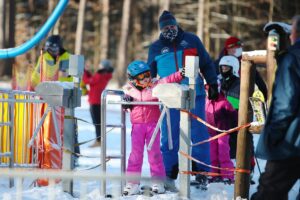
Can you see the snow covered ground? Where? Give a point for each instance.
(216, 191)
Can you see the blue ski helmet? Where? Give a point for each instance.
(137, 67)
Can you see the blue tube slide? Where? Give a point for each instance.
(23, 48)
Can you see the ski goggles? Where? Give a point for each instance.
(143, 75)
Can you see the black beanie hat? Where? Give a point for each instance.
(166, 19)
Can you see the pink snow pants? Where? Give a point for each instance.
(141, 134)
(220, 156)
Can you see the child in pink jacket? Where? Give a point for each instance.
(144, 119)
(222, 115)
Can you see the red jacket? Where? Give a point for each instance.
(97, 83)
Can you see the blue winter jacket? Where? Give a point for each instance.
(281, 134)
(167, 57)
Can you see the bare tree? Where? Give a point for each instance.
(201, 4)
(31, 5)
(2, 32)
(121, 61)
(8, 34)
(164, 5)
(271, 10)
(80, 26)
(104, 30)
(51, 5)
(206, 38)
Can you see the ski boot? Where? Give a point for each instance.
(227, 181)
(214, 179)
(202, 182)
(158, 188)
(131, 189)
(170, 185)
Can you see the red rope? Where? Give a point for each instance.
(223, 132)
(214, 167)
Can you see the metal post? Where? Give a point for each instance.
(185, 135)
(68, 140)
(103, 142)
(242, 180)
(123, 147)
(104, 95)
(11, 106)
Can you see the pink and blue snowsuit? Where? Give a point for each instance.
(222, 115)
(144, 119)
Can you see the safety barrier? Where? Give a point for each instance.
(122, 125)
(81, 176)
(19, 116)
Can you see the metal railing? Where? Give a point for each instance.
(19, 115)
(54, 175)
(122, 125)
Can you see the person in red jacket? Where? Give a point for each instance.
(97, 83)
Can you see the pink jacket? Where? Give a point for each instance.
(147, 113)
(220, 113)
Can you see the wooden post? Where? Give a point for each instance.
(242, 180)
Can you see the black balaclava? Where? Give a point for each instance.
(167, 19)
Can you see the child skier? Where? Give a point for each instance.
(220, 113)
(144, 119)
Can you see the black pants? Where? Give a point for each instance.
(277, 180)
(96, 117)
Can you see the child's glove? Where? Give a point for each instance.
(182, 72)
(213, 92)
(127, 98)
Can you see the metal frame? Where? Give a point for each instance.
(11, 101)
(122, 155)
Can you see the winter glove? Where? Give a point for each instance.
(213, 92)
(127, 98)
(182, 72)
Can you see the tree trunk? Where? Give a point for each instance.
(9, 32)
(31, 5)
(104, 30)
(121, 60)
(2, 33)
(218, 47)
(80, 26)
(271, 9)
(164, 5)
(51, 5)
(200, 18)
(206, 26)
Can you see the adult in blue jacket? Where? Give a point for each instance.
(166, 56)
(279, 142)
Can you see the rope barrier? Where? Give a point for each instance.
(203, 173)
(78, 154)
(92, 167)
(214, 167)
(79, 119)
(87, 141)
(223, 132)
